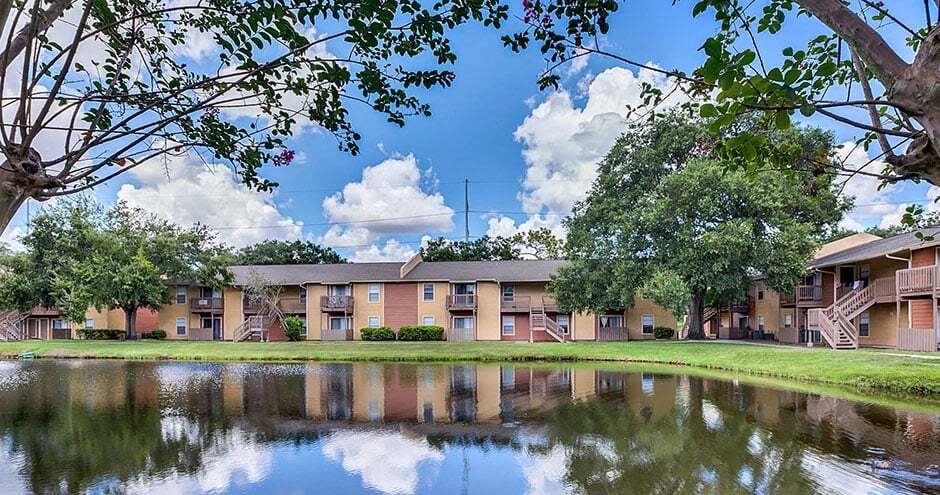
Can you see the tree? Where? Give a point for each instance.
(275, 252)
(81, 255)
(540, 244)
(852, 73)
(667, 220)
(482, 249)
(94, 88)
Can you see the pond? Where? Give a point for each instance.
(171, 427)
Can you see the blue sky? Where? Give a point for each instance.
(528, 154)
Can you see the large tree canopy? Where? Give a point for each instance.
(870, 67)
(79, 255)
(93, 88)
(274, 252)
(667, 220)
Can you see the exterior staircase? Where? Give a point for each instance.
(9, 325)
(539, 321)
(253, 326)
(835, 322)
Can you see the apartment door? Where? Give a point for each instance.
(216, 325)
(468, 289)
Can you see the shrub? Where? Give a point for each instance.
(293, 327)
(421, 332)
(155, 335)
(663, 332)
(101, 333)
(378, 333)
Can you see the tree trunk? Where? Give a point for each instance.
(697, 315)
(12, 198)
(130, 323)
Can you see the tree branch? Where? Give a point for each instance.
(872, 110)
(37, 23)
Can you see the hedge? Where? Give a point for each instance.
(101, 333)
(663, 332)
(421, 332)
(155, 335)
(293, 327)
(378, 333)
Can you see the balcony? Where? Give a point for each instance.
(44, 311)
(612, 334)
(206, 304)
(288, 305)
(461, 302)
(518, 304)
(743, 306)
(917, 281)
(548, 302)
(337, 304)
(809, 295)
(788, 299)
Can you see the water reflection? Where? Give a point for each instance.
(99, 427)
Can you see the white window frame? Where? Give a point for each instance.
(867, 317)
(374, 322)
(374, 290)
(303, 295)
(426, 318)
(424, 292)
(181, 324)
(760, 323)
(652, 319)
(64, 324)
(510, 329)
(566, 326)
(180, 294)
(463, 318)
(344, 326)
(90, 323)
(787, 320)
(508, 293)
(618, 317)
(760, 291)
(303, 328)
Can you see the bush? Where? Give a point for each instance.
(421, 332)
(155, 335)
(663, 332)
(378, 333)
(293, 327)
(101, 333)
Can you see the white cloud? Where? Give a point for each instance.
(545, 473)
(395, 190)
(872, 205)
(184, 190)
(392, 251)
(387, 461)
(564, 142)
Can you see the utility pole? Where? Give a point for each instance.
(466, 210)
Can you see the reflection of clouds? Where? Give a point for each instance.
(545, 473)
(13, 374)
(387, 461)
(11, 483)
(712, 416)
(833, 475)
(229, 459)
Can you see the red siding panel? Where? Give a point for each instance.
(922, 313)
(923, 257)
(147, 320)
(401, 305)
(522, 328)
(401, 394)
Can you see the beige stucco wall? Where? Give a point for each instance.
(364, 309)
(583, 383)
(488, 393)
(368, 391)
(314, 317)
(634, 318)
(768, 307)
(170, 312)
(432, 386)
(488, 311)
(233, 317)
(583, 326)
(436, 308)
(882, 328)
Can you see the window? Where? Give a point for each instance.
(339, 290)
(428, 292)
(760, 323)
(428, 320)
(181, 326)
(611, 321)
(303, 327)
(564, 323)
(760, 292)
(864, 322)
(465, 322)
(648, 323)
(89, 323)
(509, 292)
(461, 289)
(181, 295)
(788, 320)
(303, 295)
(339, 323)
(60, 324)
(374, 321)
(864, 273)
(509, 325)
(373, 292)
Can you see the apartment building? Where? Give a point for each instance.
(486, 300)
(864, 292)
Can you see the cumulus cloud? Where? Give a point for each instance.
(872, 205)
(184, 190)
(563, 143)
(394, 197)
(387, 461)
(392, 251)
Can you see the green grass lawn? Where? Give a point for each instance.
(866, 369)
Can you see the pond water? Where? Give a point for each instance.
(146, 427)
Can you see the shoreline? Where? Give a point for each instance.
(862, 369)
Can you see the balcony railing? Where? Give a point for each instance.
(460, 334)
(202, 304)
(517, 304)
(809, 294)
(289, 305)
(337, 303)
(921, 280)
(461, 301)
(788, 299)
(548, 302)
(606, 334)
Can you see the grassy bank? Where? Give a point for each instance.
(866, 369)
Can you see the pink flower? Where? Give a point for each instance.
(284, 159)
